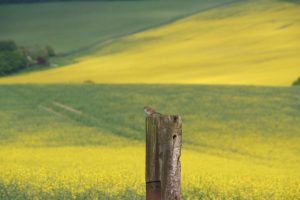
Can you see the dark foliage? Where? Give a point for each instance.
(11, 61)
(8, 45)
(14, 58)
(50, 51)
(35, 52)
(41, 61)
(297, 82)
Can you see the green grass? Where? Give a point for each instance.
(209, 113)
(87, 141)
(60, 141)
(75, 26)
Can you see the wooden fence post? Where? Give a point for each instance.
(163, 149)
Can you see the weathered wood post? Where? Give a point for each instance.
(163, 149)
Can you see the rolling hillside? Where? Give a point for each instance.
(71, 27)
(64, 137)
(249, 43)
(87, 141)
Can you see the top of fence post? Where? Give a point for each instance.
(163, 150)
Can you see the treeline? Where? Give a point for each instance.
(14, 58)
(45, 1)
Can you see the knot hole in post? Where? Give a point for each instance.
(175, 119)
(174, 137)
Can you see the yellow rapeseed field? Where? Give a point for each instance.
(255, 43)
(238, 142)
(107, 172)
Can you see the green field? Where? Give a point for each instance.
(87, 141)
(73, 27)
(245, 43)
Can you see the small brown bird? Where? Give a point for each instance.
(149, 111)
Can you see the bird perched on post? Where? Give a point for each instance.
(149, 111)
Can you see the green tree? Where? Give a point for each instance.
(8, 45)
(297, 82)
(11, 61)
(36, 52)
(14, 58)
(50, 51)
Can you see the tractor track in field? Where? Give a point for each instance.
(49, 110)
(61, 106)
(99, 44)
(79, 117)
(66, 107)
